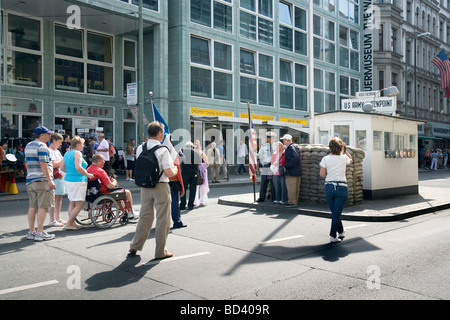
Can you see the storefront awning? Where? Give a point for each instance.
(429, 138)
(299, 128)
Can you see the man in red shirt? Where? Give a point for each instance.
(96, 168)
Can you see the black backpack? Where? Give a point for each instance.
(146, 167)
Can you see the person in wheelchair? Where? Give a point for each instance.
(107, 184)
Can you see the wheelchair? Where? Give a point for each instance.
(103, 210)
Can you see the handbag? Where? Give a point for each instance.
(199, 179)
(57, 174)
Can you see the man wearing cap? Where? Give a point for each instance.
(40, 186)
(265, 155)
(103, 149)
(293, 166)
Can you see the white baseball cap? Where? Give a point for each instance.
(286, 137)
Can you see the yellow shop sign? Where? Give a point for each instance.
(292, 120)
(211, 112)
(257, 116)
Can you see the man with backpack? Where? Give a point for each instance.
(154, 198)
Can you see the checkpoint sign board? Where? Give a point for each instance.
(384, 105)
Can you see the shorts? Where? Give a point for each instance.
(130, 164)
(60, 187)
(76, 191)
(40, 196)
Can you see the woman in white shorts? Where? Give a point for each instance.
(75, 180)
(57, 160)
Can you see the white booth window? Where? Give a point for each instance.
(377, 140)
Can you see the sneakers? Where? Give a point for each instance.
(55, 224)
(130, 179)
(334, 240)
(43, 236)
(341, 235)
(31, 235)
(132, 216)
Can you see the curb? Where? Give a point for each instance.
(324, 214)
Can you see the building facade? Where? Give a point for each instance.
(411, 33)
(66, 64)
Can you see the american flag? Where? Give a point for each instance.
(252, 146)
(442, 62)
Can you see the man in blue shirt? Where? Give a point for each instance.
(293, 166)
(40, 186)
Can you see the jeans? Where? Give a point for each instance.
(279, 182)
(176, 216)
(336, 196)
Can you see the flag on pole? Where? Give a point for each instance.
(166, 141)
(252, 147)
(447, 92)
(442, 62)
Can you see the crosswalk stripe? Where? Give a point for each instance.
(281, 239)
(30, 286)
(157, 261)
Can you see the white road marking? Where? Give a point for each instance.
(30, 286)
(281, 239)
(355, 226)
(174, 258)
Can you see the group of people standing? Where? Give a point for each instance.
(433, 159)
(280, 164)
(56, 167)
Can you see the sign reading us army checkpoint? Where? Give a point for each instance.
(385, 105)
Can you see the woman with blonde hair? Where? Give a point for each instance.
(75, 180)
(130, 157)
(201, 196)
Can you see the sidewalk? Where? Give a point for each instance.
(234, 180)
(429, 199)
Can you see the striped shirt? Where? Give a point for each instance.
(36, 152)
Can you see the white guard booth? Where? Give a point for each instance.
(390, 166)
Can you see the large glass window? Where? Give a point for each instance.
(68, 42)
(256, 20)
(324, 39)
(349, 9)
(23, 52)
(223, 17)
(348, 48)
(324, 90)
(24, 33)
(90, 70)
(211, 69)
(292, 28)
(256, 80)
(293, 86)
(129, 63)
(148, 4)
(205, 11)
(201, 12)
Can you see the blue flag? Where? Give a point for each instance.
(158, 117)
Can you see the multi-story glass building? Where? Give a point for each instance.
(66, 64)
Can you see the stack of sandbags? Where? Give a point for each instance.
(312, 186)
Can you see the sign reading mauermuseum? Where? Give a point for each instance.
(370, 22)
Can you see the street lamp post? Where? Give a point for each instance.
(424, 34)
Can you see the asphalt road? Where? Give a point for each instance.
(230, 253)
